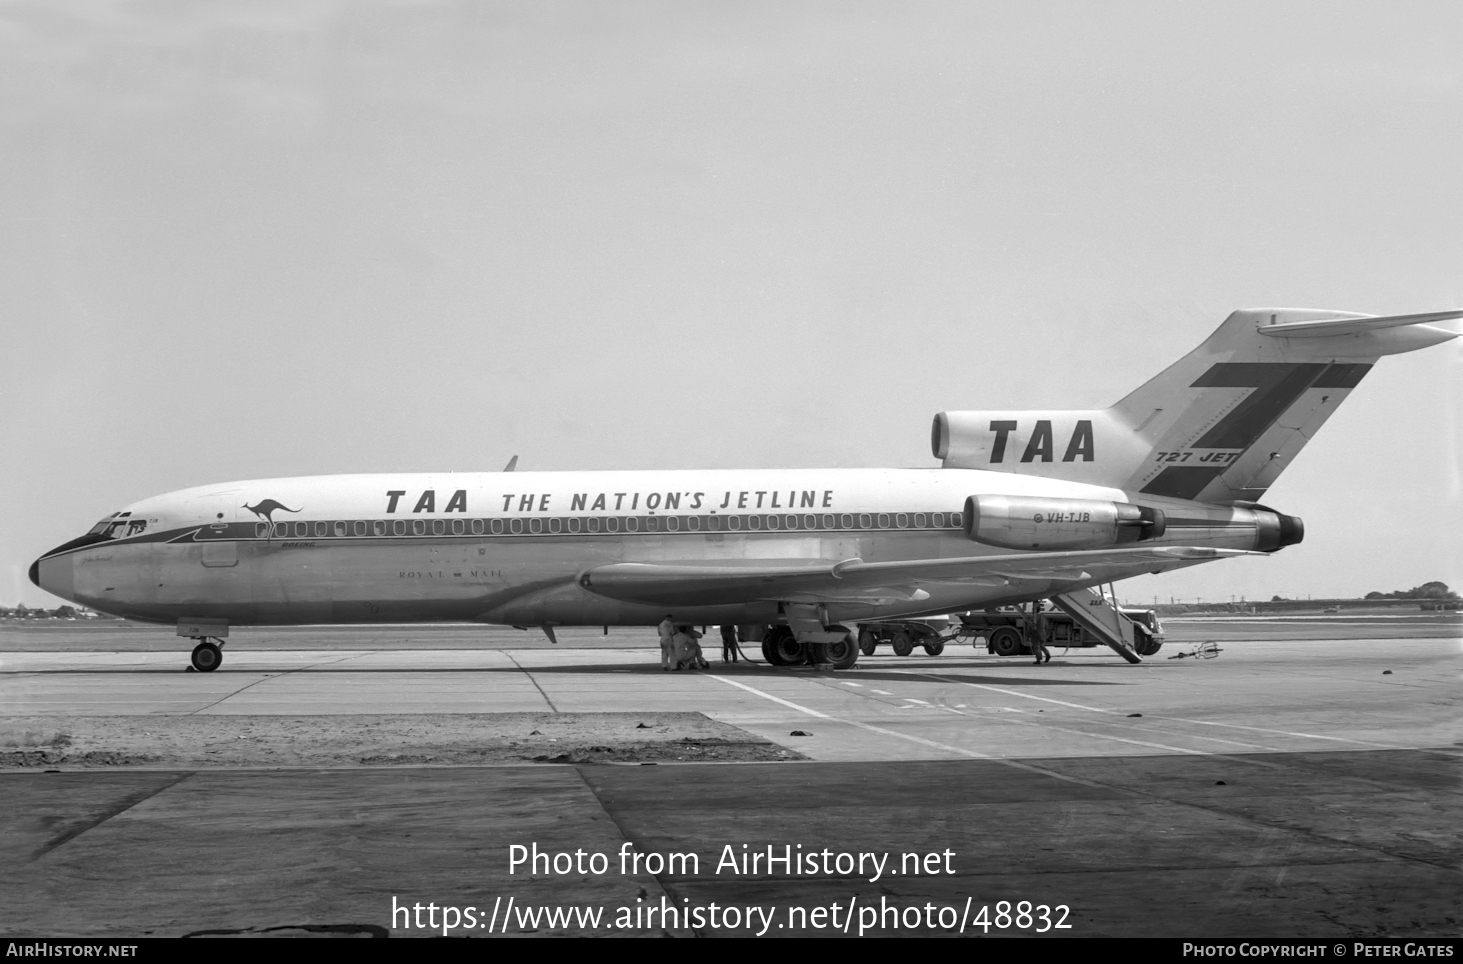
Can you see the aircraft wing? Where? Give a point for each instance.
(880, 583)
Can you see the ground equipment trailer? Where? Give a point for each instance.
(905, 634)
(1007, 631)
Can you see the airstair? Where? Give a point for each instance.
(1097, 612)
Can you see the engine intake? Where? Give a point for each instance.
(1028, 522)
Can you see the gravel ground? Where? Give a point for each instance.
(325, 741)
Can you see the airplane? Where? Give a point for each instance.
(1025, 505)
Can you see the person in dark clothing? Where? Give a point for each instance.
(729, 650)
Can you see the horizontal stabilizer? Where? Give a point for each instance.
(1351, 324)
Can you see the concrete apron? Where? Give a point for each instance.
(1295, 844)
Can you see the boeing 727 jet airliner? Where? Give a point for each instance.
(1026, 506)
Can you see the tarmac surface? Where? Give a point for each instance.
(1286, 788)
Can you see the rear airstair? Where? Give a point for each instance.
(1097, 612)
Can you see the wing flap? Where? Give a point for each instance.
(852, 580)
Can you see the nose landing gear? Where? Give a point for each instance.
(207, 655)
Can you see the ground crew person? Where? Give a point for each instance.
(728, 643)
(687, 651)
(667, 630)
(1038, 648)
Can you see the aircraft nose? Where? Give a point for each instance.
(54, 574)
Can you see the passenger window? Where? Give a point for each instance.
(883, 520)
(555, 525)
(693, 523)
(938, 520)
(477, 527)
(651, 525)
(955, 519)
(919, 520)
(379, 528)
(399, 527)
(593, 524)
(302, 529)
(672, 524)
(322, 529)
(865, 521)
(340, 528)
(827, 522)
(572, 525)
(497, 526)
(846, 521)
(632, 524)
(261, 529)
(754, 522)
(361, 528)
(612, 525)
(418, 527)
(734, 522)
(515, 525)
(281, 530)
(535, 525)
(902, 521)
(458, 527)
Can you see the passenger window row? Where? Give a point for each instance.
(608, 524)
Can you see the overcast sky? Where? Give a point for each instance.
(242, 240)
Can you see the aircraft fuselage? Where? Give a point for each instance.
(509, 547)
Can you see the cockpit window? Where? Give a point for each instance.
(114, 527)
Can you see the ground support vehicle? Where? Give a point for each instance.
(904, 635)
(1010, 630)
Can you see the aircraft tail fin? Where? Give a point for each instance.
(1219, 425)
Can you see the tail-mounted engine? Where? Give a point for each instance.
(1023, 522)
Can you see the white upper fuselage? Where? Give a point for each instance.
(639, 494)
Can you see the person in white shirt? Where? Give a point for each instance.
(667, 630)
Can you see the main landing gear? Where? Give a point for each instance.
(207, 655)
(781, 647)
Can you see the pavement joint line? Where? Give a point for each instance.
(121, 807)
(266, 676)
(525, 672)
(625, 836)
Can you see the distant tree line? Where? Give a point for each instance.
(1428, 590)
(60, 612)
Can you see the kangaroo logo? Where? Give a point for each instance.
(266, 508)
